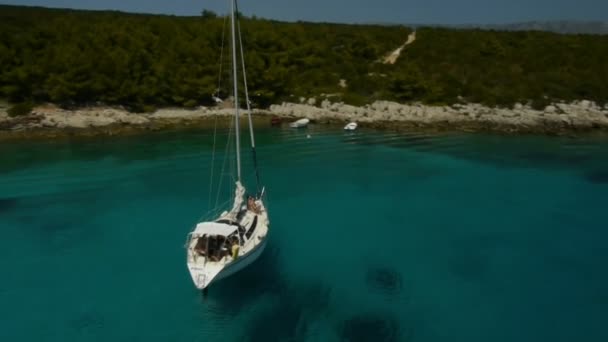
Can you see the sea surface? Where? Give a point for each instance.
(375, 236)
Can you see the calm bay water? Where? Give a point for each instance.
(375, 236)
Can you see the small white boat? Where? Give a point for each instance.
(299, 123)
(350, 126)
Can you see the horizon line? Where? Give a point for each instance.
(371, 22)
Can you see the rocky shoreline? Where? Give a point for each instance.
(557, 118)
(49, 121)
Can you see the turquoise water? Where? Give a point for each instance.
(375, 236)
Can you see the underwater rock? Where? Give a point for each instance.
(7, 204)
(87, 321)
(553, 158)
(384, 280)
(471, 265)
(597, 177)
(56, 226)
(576, 158)
(294, 312)
(278, 324)
(371, 327)
(472, 255)
(538, 157)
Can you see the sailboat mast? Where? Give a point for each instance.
(255, 159)
(236, 94)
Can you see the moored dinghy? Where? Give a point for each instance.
(299, 123)
(351, 126)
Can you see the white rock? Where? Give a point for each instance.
(101, 121)
(134, 120)
(565, 119)
(48, 122)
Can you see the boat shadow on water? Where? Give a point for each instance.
(87, 323)
(297, 308)
(292, 311)
(261, 278)
(293, 306)
(374, 326)
(385, 281)
(598, 177)
(8, 204)
(291, 317)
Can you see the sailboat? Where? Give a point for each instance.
(225, 244)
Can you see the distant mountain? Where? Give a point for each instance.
(562, 26)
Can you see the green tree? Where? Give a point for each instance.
(208, 14)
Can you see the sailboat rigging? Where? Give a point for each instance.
(224, 245)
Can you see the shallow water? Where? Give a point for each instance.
(375, 236)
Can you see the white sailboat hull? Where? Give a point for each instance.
(205, 272)
(203, 279)
(241, 262)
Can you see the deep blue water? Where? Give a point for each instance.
(375, 236)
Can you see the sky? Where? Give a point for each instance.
(362, 11)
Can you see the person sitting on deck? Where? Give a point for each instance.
(213, 248)
(224, 249)
(251, 205)
(201, 245)
(235, 248)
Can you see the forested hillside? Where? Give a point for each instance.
(142, 61)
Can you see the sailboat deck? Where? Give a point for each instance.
(252, 228)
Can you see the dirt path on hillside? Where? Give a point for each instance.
(393, 56)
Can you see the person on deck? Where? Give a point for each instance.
(235, 248)
(251, 204)
(201, 245)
